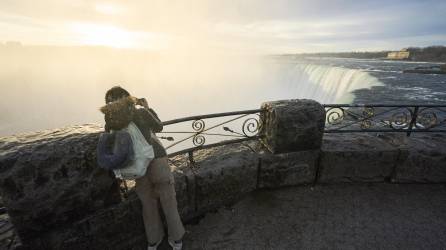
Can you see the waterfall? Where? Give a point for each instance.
(327, 84)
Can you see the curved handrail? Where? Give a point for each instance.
(207, 116)
(378, 105)
(408, 118)
(247, 121)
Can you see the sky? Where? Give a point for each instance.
(265, 26)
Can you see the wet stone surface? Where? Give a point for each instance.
(338, 216)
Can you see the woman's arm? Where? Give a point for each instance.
(149, 119)
(149, 116)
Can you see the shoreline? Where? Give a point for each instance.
(363, 59)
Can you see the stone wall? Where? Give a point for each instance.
(58, 198)
(50, 179)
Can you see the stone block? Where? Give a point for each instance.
(223, 175)
(119, 227)
(356, 158)
(185, 191)
(292, 125)
(423, 160)
(288, 169)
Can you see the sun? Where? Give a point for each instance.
(106, 35)
(111, 36)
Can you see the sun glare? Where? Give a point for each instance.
(105, 35)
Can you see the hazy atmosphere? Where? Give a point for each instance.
(193, 57)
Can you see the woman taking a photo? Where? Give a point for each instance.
(157, 185)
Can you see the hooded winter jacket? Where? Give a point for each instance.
(120, 113)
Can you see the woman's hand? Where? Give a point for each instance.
(143, 102)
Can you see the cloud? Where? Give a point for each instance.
(251, 25)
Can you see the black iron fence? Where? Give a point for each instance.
(344, 118)
(188, 134)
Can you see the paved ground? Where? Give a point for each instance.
(347, 216)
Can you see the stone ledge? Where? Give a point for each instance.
(223, 175)
(50, 179)
(422, 160)
(356, 158)
(185, 190)
(289, 169)
(117, 227)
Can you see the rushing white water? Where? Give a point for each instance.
(327, 84)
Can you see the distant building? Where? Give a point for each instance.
(399, 55)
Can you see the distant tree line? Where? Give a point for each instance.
(428, 54)
(354, 54)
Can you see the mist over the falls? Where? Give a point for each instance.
(50, 87)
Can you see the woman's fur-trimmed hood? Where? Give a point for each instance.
(119, 114)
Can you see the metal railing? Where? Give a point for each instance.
(345, 118)
(205, 131)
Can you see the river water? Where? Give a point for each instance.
(388, 83)
(45, 91)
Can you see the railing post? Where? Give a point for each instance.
(292, 125)
(191, 157)
(413, 120)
